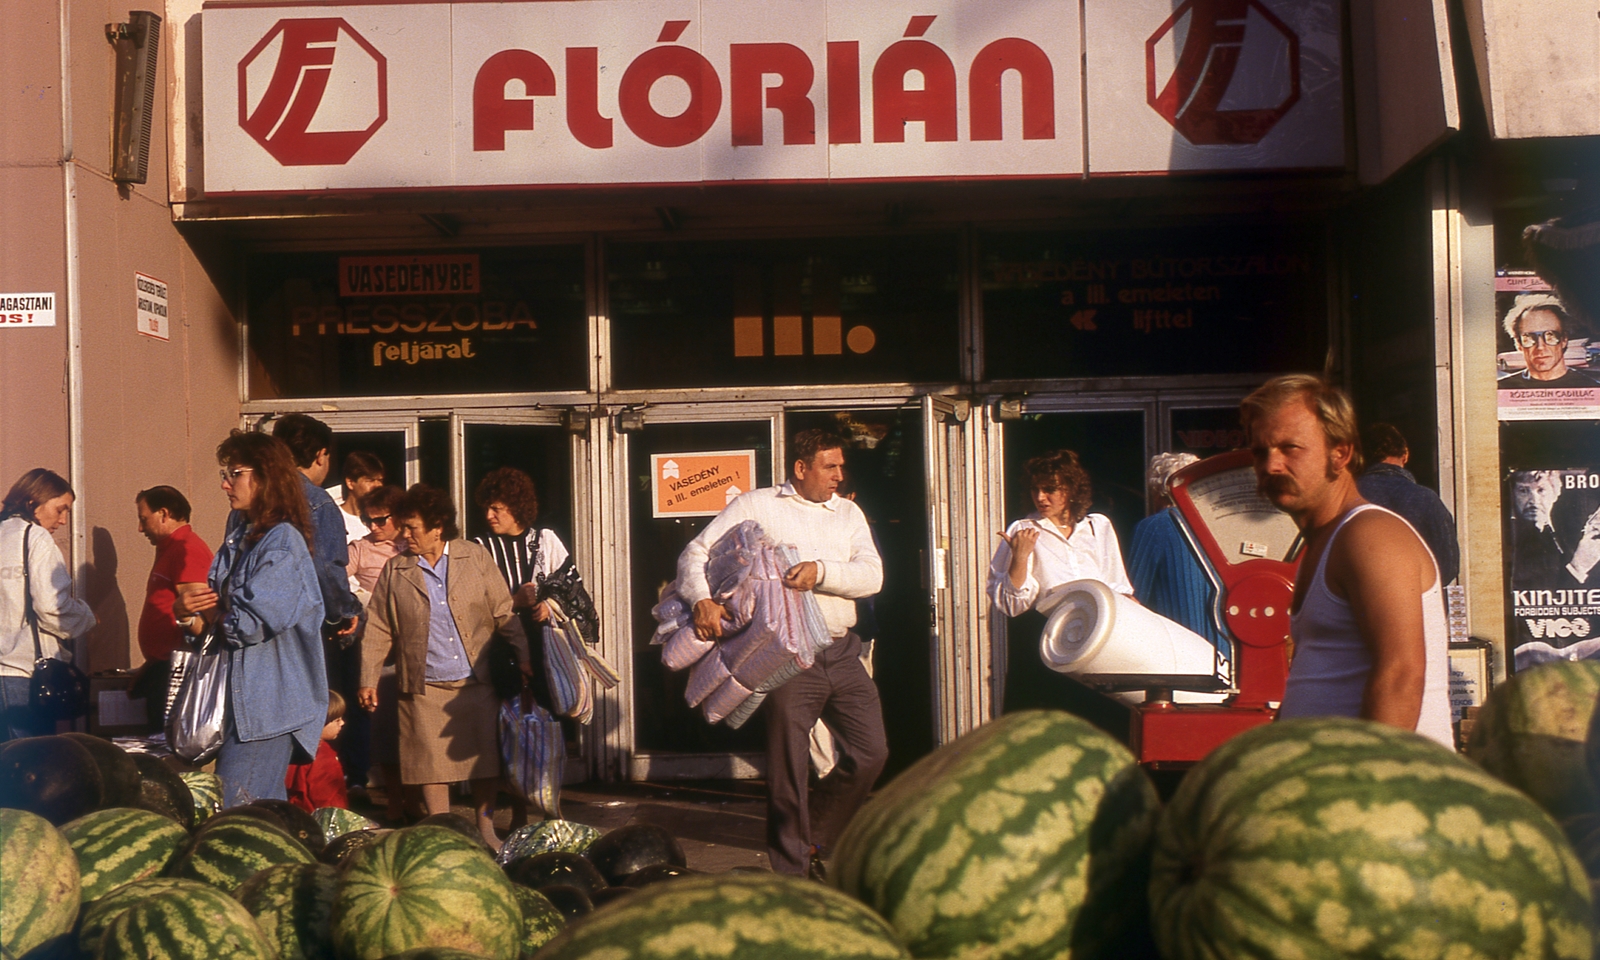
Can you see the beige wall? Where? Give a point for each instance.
(153, 411)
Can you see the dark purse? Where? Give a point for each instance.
(57, 690)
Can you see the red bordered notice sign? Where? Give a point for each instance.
(699, 484)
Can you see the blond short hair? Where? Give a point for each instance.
(1526, 303)
(1331, 406)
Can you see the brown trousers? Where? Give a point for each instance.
(837, 690)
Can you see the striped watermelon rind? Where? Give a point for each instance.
(187, 924)
(995, 844)
(227, 853)
(1335, 837)
(97, 916)
(293, 905)
(541, 920)
(206, 788)
(337, 821)
(732, 916)
(1531, 732)
(424, 886)
(548, 836)
(119, 845)
(38, 882)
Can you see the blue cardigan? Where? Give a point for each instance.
(272, 625)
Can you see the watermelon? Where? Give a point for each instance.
(97, 916)
(119, 845)
(744, 916)
(337, 821)
(436, 953)
(38, 882)
(1531, 732)
(994, 844)
(184, 924)
(424, 886)
(118, 773)
(458, 823)
(551, 868)
(615, 893)
(573, 902)
(206, 790)
(1327, 837)
(226, 853)
(546, 837)
(51, 776)
(161, 790)
(300, 824)
(656, 874)
(627, 850)
(541, 921)
(293, 903)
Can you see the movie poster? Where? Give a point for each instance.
(1553, 561)
(1545, 367)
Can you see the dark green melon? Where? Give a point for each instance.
(656, 874)
(1026, 839)
(162, 791)
(1531, 732)
(226, 853)
(300, 824)
(186, 924)
(341, 847)
(293, 905)
(118, 772)
(545, 869)
(730, 916)
(1331, 837)
(436, 953)
(626, 850)
(53, 777)
(425, 886)
(38, 882)
(573, 902)
(541, 921)
(458, 823)
(119, 845)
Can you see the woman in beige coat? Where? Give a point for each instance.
(435, 607)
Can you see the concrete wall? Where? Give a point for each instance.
(153, 410)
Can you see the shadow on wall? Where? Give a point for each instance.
(109, 647)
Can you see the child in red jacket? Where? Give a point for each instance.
(320, 783)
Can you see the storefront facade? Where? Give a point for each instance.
(585, 239)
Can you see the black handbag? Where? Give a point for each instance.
(57, 690)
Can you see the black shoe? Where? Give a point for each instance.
(816, 869)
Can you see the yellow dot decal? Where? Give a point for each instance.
(860, 339)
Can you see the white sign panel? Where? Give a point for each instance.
(1214, 85)
(27, 310)
(150, 307)
(432, 95)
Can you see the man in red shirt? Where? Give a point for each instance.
(181, 558)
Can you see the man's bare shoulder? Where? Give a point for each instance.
(1376, 544)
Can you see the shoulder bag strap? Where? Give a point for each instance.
(27, 592)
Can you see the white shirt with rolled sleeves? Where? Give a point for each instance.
(1091, 553)
(834, 534)
(62, 616)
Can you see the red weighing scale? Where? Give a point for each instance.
(1250, 551)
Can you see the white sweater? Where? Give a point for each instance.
(61, 615)
(834, 534)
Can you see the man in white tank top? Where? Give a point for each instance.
(1368, 619)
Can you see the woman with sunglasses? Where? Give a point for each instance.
(265, 602)
(368, 556)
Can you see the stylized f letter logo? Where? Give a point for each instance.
(325, 97)
(1199, 99)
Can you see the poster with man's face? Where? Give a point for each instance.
(1544, 365)
(1553, 559)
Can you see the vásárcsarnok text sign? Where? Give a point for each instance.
(429, 95)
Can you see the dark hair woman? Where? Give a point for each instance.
(37, 505)
(264, 599)
(1060, 541)
(448, 711)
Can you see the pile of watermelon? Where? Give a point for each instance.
(1034, 837)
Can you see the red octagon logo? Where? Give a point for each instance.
(325, 96)
(1191, 99)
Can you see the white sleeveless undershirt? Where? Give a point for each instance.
(1331, 664)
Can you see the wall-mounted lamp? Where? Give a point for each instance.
(576, 420)
(1009, 408)
(137, 43)
(630, 421)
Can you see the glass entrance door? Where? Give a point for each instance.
(670, 739)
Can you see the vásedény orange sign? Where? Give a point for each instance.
(699, 484)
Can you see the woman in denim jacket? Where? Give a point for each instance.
(264, 598)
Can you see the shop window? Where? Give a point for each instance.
(1153, 303)
(753, 313)
(489, 321)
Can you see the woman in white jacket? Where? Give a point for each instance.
(37, 505)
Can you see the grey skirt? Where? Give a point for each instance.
(449, 732)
